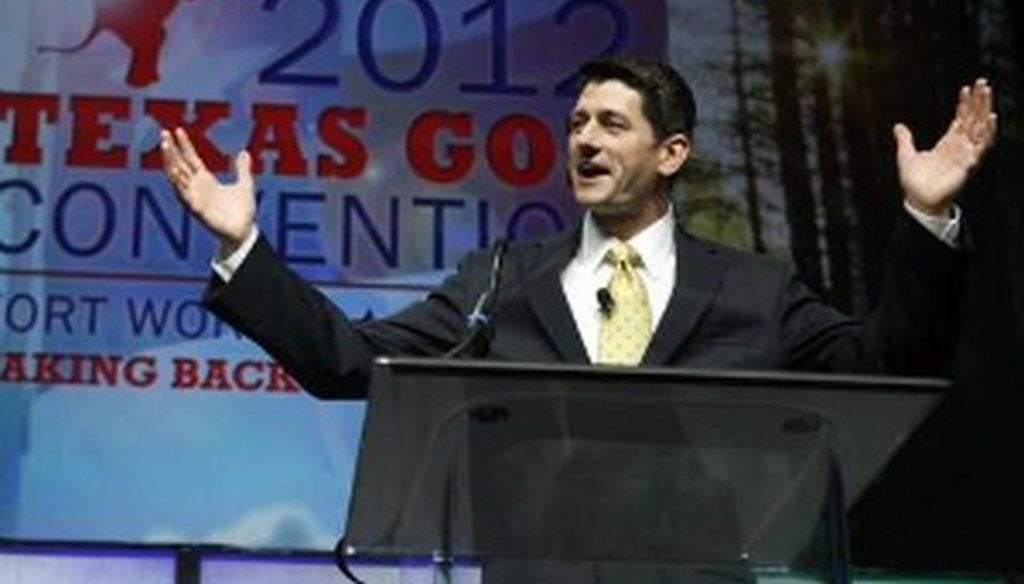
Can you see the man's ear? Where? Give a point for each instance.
(674, 151)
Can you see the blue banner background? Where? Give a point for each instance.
(99, 261)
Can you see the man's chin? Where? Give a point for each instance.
(617, 209)
(607, 209)
(591, 197)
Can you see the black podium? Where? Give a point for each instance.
(552, 473)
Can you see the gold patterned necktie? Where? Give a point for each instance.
(626, 322)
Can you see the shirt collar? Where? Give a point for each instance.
(655, 243)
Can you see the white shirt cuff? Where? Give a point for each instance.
(226, 267)
(945, 228)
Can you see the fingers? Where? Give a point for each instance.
(984, 96)
(175, 167)
(188, 151)
(243, 168)
(975, 117)
(963, 107)
(980, 106)
(984, 130)
(905, 147)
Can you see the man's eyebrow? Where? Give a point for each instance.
(575, 116)
(613, 114)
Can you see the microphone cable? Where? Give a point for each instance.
(478, 320)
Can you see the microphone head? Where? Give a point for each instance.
(605, 301)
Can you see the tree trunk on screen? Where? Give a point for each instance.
(796, 177)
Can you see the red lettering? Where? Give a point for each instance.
(422, 138)
(28, 110)
(46, 368)
(216, 375)
(140, 371)
(170, 114)
(76, 375)
(91, 129)
(274, 129)
(501, 150)
(353, 154)
(14, 368)
(186, 373)
(242, 381)
(281, 381)
(104, 369)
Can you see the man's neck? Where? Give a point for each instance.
(625, 226)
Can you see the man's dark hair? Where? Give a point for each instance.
(668, 101)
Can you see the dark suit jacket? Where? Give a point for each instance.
(729, 309)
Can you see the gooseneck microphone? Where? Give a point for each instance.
(476, 341)
(605, 301)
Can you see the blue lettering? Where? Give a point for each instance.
(23, 312)
(439, 205)
(83, 218)
(191, 319)
(285, 226)
(33, 234)
(431, 54)
(24, 306)
(179, 242)
(483, 221)
(59, 307)
(148, 318)
(353, 209)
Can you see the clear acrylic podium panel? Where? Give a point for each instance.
(521, 465)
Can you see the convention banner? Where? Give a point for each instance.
(389, 138)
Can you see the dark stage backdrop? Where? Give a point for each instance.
(801, 97)
(803, 94)
(395, 135)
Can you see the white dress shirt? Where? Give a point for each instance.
(588, 272)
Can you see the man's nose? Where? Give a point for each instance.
(587, 150)
(584, 140)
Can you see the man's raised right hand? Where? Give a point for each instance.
(227, 210)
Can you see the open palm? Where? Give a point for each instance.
(930, 178)
(227, 210)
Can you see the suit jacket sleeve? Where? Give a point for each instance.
(329, 354)
(911, 331)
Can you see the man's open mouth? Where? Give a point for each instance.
(588, 169)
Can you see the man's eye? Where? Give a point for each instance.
(615, 122)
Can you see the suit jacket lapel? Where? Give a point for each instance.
(698, 275)
(547, 299)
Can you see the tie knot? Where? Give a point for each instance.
(622, 254)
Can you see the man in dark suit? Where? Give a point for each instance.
(666, 300)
